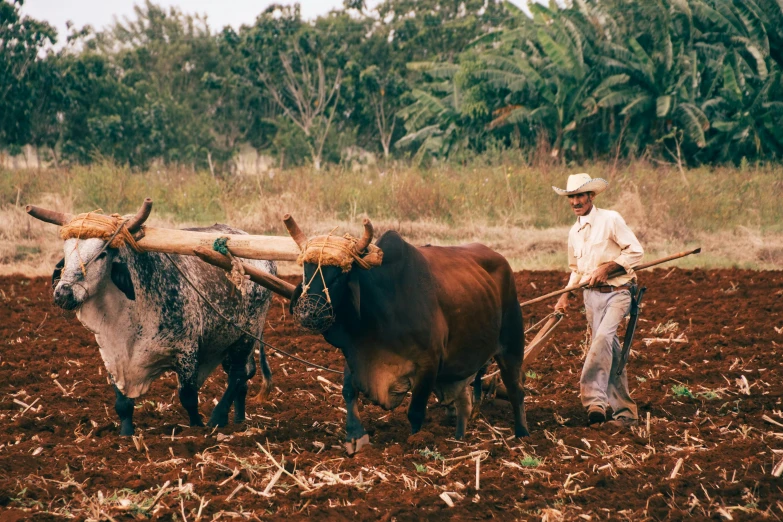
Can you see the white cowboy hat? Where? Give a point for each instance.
(580, 183)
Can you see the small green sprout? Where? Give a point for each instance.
(680, 390)
(530, 461)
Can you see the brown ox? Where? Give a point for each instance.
(427, 319)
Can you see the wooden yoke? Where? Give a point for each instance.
(272, 248)
(260, 277)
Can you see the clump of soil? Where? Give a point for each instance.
(708, 377)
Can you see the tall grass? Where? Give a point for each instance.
(501, 201)
(713, 198)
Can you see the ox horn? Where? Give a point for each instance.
(49, 216)
(366, 239)
(134, 223)
(295, 231)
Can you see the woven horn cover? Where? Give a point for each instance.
(339, 251)
(98, 226)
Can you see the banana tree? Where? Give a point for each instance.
(433, 118)
(543, 74)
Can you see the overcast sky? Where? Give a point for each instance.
(101, 13)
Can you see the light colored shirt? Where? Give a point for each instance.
(600, 237)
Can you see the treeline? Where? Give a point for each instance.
(690, 81)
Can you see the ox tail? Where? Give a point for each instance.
(266, 374)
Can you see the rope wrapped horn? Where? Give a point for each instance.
(113, 228)
(337, 251)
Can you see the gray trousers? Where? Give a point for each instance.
(599, 385)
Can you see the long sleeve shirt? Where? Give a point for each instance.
(600, 237)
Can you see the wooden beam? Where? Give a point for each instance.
(257, 275)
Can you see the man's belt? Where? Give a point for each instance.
(606, 289)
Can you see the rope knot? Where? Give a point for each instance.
(221, 245)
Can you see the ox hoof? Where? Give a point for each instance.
(220, 420)
(355, 445)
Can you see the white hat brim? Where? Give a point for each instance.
(596, 185)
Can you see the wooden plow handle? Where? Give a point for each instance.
(537, 344)
(613, 274)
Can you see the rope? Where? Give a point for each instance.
(91, 225)
(243, 330)
(221, 245)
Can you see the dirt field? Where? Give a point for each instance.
(710, 381)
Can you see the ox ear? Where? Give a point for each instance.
(355, 290)
(58, 272)
(295, 297)
(121, 277)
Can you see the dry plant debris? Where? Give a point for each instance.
(711, 450)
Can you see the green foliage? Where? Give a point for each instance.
(530, 374)
(420, 468)
(685, 81)
(680, 390)
(430, 454)
(529, 461)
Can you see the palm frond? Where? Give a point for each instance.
(694, 123)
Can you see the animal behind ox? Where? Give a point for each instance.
(411, 319)
(147, 319)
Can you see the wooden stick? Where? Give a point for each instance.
(778, 469)
(676, 469)
(537, 344)
(296, 479)
(613, 274)
(257, 275)
(771, 421)
(478, 469)
(158, 496)
(272, 482)
(273, 248)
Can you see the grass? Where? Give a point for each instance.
(530, 461)
(733, 213)
(428, 453)
(680, 390)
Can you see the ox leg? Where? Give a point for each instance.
(513, 379)
(464, 404)
(124, 408)
(477, 386)
(420, 394)
(355, 435)
(240, 366)
(188, 396)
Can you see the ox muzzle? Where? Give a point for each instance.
(313, 313)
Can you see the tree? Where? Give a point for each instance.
(23, 72)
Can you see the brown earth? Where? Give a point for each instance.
(714, 404)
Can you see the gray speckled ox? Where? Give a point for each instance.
(148, 320)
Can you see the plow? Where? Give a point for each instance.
(225, 251)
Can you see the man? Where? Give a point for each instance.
(599, 244)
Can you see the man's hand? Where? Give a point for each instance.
(601, 274)
(562, 304)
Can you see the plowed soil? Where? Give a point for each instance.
(705, 371)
